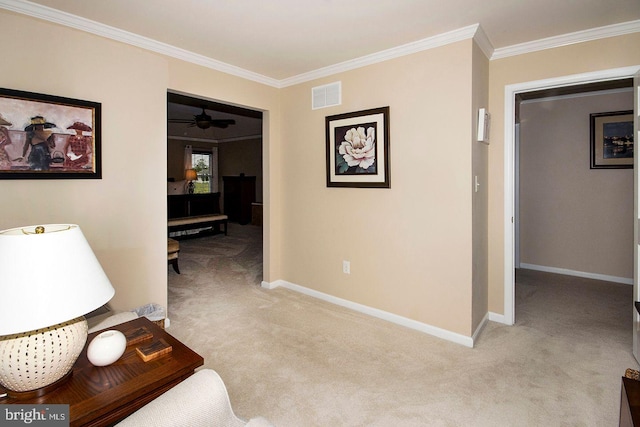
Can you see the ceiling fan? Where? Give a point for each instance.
(205, 121)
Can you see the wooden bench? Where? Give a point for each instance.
(198, 221)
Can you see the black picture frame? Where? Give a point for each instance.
(49, 137)
(612, 141)
(357, 149)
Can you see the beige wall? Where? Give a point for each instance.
(409, 246)
(573, 217)
(175, 157)
(480, 152)
(414, 248)
(592, 56)
(123, 215)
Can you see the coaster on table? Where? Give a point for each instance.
(153, 350)
(134, 336)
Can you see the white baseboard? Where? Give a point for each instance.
(268, 285)
(480, 327)
(567, 272)
(381, 314)
(498, 318)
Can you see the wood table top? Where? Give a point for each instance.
(102, 395)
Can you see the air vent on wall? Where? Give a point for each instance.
(326, 95)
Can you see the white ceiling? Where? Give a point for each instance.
(281, 39)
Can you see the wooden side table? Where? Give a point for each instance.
(101, 396)
(630, 403)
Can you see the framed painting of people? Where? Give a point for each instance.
(49, 137)
(358, 149)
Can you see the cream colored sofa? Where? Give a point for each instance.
(199, 401)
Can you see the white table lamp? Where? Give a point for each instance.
(49, 279)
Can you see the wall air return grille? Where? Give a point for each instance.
(326, 95)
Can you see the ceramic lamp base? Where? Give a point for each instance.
(32, 362)
(34, 394)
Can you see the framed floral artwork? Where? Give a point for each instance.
(358, 149)
(612, 142)
(48, 137)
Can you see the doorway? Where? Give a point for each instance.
(514, 93)
(222, 141)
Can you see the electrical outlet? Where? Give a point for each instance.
(346, 267)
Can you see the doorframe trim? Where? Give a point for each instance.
(510, 92)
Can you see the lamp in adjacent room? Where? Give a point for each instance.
(49, 279)
(190, 175)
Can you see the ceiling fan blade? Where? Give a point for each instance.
(204, 121)
(180, 120)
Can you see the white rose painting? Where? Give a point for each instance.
(358, 149)
(356, 152)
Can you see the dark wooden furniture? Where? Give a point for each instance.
(256, 214)
(101, 396)
(184, 205)
(195, 211)
(173, 253)
(239, 194)
(630, 403)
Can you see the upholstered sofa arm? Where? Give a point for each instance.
(259, 422)
(200, 400)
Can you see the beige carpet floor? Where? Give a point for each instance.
(299, 361)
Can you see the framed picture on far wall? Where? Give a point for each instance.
(358, 149)
(48, 137)
(612, 140)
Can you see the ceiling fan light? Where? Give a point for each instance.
(203, 124)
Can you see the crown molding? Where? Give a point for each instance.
(568, 39)
(473, 31)
(483, 42)
(577, 95)
(56, 16)
(385, 55)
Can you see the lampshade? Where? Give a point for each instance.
(48, 278)
(190, 175)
